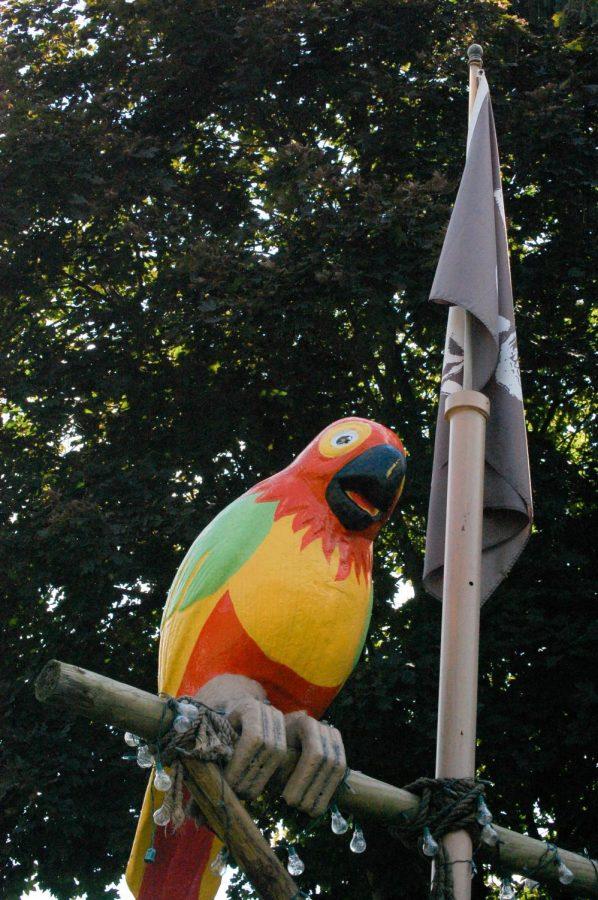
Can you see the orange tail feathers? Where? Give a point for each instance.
(181, 869)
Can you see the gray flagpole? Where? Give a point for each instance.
(467, 412)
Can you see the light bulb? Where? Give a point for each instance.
(162, 816)
(181, 724)
(188, 710)
(131, 739)
(295, 865)
(358, 843)
(489, 835)
(429, 845)
(162, 780)
(338, 823)
(144, 757)
(219, 863)
(483, 815)
(507, 891)
(566, 876)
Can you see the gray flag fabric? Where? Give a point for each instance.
(473, 274)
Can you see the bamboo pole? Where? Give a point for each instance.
(457, 695)
(104, 700)
(467, 412)
(113, 703)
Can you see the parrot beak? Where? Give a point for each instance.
(366, 490)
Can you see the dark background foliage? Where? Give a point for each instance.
(218, 230)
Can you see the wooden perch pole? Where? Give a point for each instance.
(113, 703)
(229, 819)
(104, 700)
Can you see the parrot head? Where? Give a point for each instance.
(357, 468)
(342, 488)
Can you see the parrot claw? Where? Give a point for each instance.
(261, 750)
(321, 767)
(261, 747)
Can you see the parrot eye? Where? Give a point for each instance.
(341, 438)
(348, 437)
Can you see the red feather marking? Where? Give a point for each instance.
(224, 648)
(295, 497)
(300, 491)
(181, 859)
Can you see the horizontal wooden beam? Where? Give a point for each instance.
(519, 854)
(105, 700)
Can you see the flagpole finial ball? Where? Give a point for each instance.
(475, 53)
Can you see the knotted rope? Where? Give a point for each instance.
(210, 737)
(446, 804)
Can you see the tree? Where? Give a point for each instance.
(220, 223)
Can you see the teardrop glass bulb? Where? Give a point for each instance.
(358, 843)
(295, 865)
(162, 780)
(144, 757)
(188, 710)
(507, 891)
(181, 724)
(429, 845)
(483, 815)
(131, 740)
(161, 816)
(338, 823)
(566, 876)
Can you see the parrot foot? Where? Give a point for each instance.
(260, 751)
(321, 767)
(261, 747)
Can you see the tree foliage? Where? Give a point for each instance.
(219, 226)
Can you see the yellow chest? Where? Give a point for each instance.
(289, 601)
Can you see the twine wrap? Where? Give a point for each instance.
(210, 738)
(446, 804)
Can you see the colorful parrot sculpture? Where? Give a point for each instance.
(265, 620)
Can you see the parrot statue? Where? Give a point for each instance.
(264, 621)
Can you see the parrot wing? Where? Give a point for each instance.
(219, 552)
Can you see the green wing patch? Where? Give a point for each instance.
(219, 551)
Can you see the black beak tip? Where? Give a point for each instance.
(364, 491)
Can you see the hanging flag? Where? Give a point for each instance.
(473, 274)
